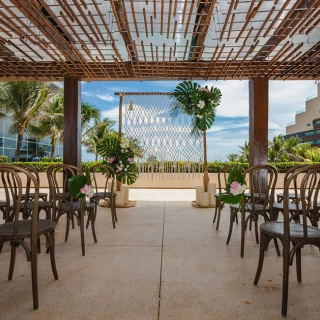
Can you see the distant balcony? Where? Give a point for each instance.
(291, 123)
(301, 111)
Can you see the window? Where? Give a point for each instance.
(308, 124)
(307, 134)
(318, 121)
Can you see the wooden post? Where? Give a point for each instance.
(120, 118)
(258, 121)
(206, 178)
(258, 124)
(72, 122)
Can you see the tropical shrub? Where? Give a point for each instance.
(3, 159)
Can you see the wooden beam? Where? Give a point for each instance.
(258, 121)
(72, 121)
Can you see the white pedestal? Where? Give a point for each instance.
(204, 199)
(199, 189)
(119, 199)
(125, 191)
(212, 191)
(114, 186)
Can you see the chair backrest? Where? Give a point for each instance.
(223, 176)
(33, 171)
(308, 189)
(261, 181)
(12, 178)
(58, 176)
(107, 172)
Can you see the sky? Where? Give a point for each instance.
(231, 127)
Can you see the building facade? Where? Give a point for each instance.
(307, 123)
(30, 145)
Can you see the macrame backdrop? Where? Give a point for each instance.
(169, 148)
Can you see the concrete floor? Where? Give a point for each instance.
(164, 260)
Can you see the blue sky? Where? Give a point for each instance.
(231, 126)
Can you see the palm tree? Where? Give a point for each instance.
(233, 157)
(302, 150)
(244, 152)
(200, 104)
(97, 133)
(88, 112)
(276, 148)
(290, 149)
(21, 102)
(50, 123)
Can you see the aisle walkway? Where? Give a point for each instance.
(165, 260)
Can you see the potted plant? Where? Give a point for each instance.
(121, 158)
(200, 104)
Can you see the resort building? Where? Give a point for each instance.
(307, 123)
(30, 145)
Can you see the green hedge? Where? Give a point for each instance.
(3, 159)
(212, 166)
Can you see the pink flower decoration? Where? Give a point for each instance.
(130, 160)
(84, 189)
(110, 160)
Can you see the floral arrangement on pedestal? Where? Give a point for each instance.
(80, 188)
(200, 103)
(235, 188)
(120, 157)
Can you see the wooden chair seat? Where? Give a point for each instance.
(24, 228)
(292, 206)
(42, 195)
(74, 206)
(103, 195)
(276, 229)
(249, 207)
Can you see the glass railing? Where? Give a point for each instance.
(311, 97)
(291, 123)
(301, 111)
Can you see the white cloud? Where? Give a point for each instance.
(86, 93)
(106, 97)
(112, 113)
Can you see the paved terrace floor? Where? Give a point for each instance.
(164, 260)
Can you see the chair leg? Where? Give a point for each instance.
(1, 246)
(232, 218)
(218, 218)
(82, 234)
(236, 218)
(67, 226)
(298, 265)
(88, 221)
(285, 280)
(216, 210)
(34, 273)
(250, 224)
(112, 208)
(72, 221)
(12, 260)
(256, 228)
(115, 210)
(93, 227)
(243, 230)
(277, 246)
(39, 245)
(50, 240)
(263, 240)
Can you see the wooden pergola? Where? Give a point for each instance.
(75, 41)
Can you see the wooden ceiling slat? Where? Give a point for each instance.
(189, 18)
(44, 41)
(264, 23)
(226, 20)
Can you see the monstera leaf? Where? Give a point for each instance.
(109, 147)
(205, 122)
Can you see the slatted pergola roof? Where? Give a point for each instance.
(159, 39)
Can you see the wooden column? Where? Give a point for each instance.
(258, 121)
(72, 122)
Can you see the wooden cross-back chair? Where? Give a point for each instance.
(17, 231)
(108, 176)
(64, 203)
(294, 236)
(261, 182)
